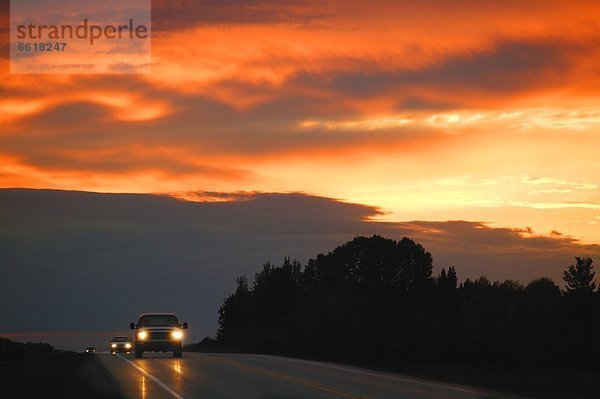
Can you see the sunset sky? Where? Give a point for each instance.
(484, 111)
(274, 128)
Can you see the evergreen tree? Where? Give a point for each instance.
(580, 277)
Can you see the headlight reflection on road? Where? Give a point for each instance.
(178, 376)
(177, 366)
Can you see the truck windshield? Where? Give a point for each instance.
(159, 320)
(121, 339)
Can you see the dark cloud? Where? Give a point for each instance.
(80, 135)
(417, 103)
(170, 15)
(508, 67)
(71, 116)
(499, 253)
(4, 36)
(74, 261)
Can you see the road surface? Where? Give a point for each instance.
(219, 376)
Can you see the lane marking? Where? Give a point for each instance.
(153, 378)
(488, 394)
(288, 378)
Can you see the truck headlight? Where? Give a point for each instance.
(177, 334)
(142, 335)
(128, 345)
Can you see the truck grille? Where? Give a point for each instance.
(158, 335)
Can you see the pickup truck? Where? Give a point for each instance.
(158, 332)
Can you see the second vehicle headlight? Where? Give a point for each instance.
(113, 346)
(177, 334)
(128, 345)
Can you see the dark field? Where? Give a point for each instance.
(57, 375)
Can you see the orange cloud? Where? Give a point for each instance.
(375, 40)
(11, 110)
(123, 105)
(429, 108)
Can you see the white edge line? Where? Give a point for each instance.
(153, 378)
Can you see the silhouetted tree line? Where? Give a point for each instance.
(374, 301)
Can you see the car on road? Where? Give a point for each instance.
(90, 349)
(120, 344)
(158, 332)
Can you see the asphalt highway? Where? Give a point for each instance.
(219, 376)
